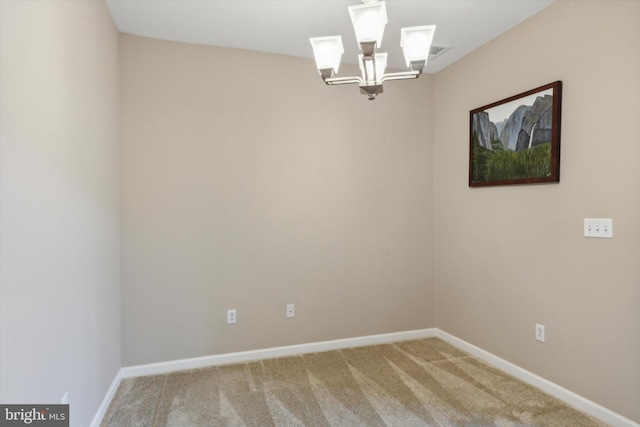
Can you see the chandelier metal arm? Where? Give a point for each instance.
(343, 80)
(403, 75)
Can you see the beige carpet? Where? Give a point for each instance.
(423, 382)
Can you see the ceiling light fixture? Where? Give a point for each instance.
(369, 20)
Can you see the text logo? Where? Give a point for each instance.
(34, 415)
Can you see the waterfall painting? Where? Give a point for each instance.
(517, 140)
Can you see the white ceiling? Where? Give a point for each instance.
(284, 26)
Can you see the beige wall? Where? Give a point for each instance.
(248, 184)
(59, 204)
(253, 193)
(509, 257)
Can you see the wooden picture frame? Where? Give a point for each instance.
(517, 140)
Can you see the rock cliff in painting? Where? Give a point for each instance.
(526, 127)
(486, 130)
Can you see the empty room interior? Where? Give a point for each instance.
(148, 186)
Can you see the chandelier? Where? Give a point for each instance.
(369, 20)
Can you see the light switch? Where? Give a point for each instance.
(598, 227)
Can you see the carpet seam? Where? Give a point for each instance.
(155, 412)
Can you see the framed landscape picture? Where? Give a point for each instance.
(517, 140)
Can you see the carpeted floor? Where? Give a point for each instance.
(424, 382)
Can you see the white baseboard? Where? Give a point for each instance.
(548, 387)
(102, 410)
(567, 396)
(269, 353)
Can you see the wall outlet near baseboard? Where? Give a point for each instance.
(231, 316)
(540, 332)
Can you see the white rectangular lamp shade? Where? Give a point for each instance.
(416, 42)
(369, 20)
(327, 52)
(369, 67)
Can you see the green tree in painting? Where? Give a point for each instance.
(499, 164)
(531, 163)
(480, 156)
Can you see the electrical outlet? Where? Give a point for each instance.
(540, 332)
(231, 316)
(291, 310)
